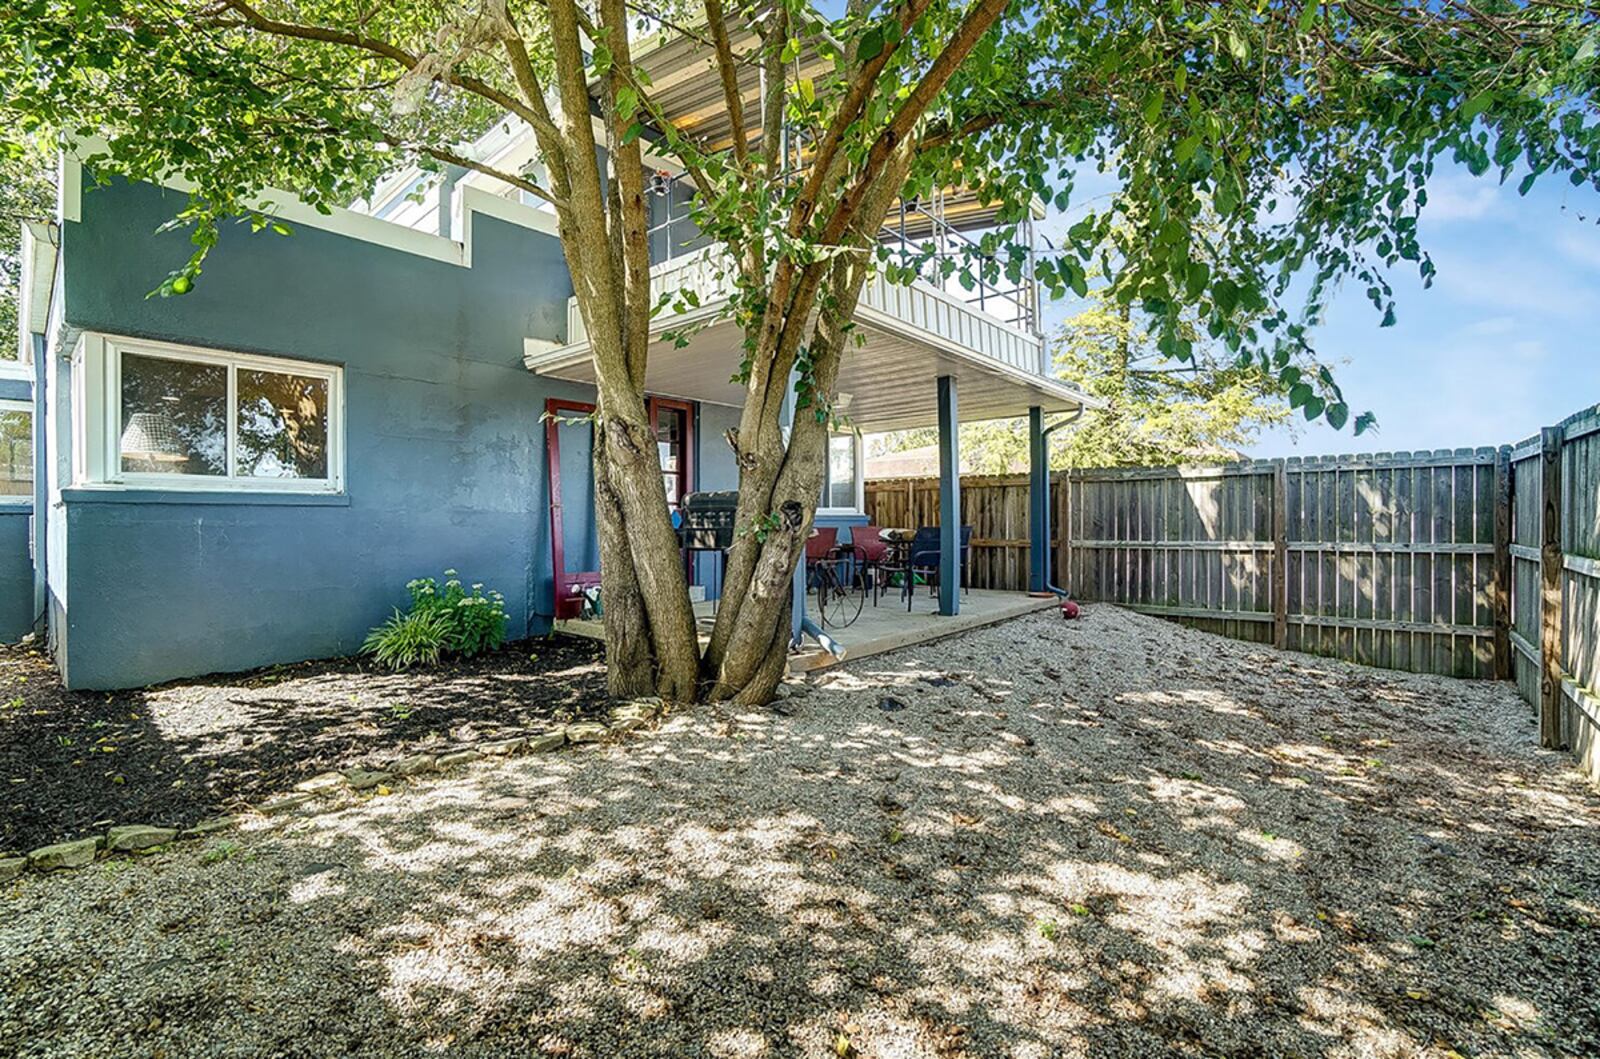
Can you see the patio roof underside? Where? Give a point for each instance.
(889, 383)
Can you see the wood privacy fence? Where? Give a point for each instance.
(1555, 581)
(1466, 562)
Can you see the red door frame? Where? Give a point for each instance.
(655, 405)
(568, 586)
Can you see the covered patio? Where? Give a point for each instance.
(885, 627)
(925, 358)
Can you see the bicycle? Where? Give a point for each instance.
(839, 602)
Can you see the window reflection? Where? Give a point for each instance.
(174, 416)
(283, 425)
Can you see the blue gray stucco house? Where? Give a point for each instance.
(250, 473)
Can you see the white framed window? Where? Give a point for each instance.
(841, 484)
(165, 416)
(16, 451)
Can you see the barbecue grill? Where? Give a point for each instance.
(707, 523)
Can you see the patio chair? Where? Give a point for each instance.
(821, 546)
(924, 558)
(871, 553)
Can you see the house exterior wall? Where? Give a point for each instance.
(445, 457)
(16, 572)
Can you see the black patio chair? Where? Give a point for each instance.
(923, 557)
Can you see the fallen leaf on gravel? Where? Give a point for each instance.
(1111, 832)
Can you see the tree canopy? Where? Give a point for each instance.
(1264, 151)
(1310, 128)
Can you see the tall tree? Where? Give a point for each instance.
(1159, 411)
(27, 193)
(1330, 114)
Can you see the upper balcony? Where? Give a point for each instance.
(912, 334)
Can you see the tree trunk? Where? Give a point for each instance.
(630, 661)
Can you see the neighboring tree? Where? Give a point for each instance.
(1159, 411)
(1327, 114)
(27, 193)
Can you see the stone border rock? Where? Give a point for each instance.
(144, 839)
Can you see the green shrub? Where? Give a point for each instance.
(406, 640)
(442, 620)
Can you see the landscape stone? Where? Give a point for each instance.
(365, 779)
(411, 766)
(11, 867)
(284, 804)
(627, 722)
(504, 747)
(215, 823)
(644, 711)
(586, 732)
(323, 783)
(543, 744)
(460, 757)
(132, 837)
(64, 855)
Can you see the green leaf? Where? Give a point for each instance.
(1313, 408)
(1238, 46)
(1152, 107)
(1299, 394)
(1308, 16)
(1476, 105)
(870, 46)
(633, 133)
(1337, 414)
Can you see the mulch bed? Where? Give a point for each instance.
(72, 763)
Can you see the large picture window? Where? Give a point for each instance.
(180, 417)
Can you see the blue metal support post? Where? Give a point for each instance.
(1038, 497)
(949, 499)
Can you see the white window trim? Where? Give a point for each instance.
(861, 482)
(11, 404)
(97, 414)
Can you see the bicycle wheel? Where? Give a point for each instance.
(838, 604)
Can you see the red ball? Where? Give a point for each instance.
(1069, 609)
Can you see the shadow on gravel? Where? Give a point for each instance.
(1230, 853)
(73, 762)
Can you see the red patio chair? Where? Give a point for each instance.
(872, 553)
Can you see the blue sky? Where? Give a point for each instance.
(1506, 341)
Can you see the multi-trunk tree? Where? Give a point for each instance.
(1303, 131)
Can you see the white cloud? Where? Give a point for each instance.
(1492, 325)
(1456, 198)
(1580, 247)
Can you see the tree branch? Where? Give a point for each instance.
(982, 15)
(861, 86)
(254, 19)
(444, 154)
(730, 85)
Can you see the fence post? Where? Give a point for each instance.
(1280, 555)
(1061, 495)
(1504, 666)
(1550, 439)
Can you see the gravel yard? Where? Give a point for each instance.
(1101, 838)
